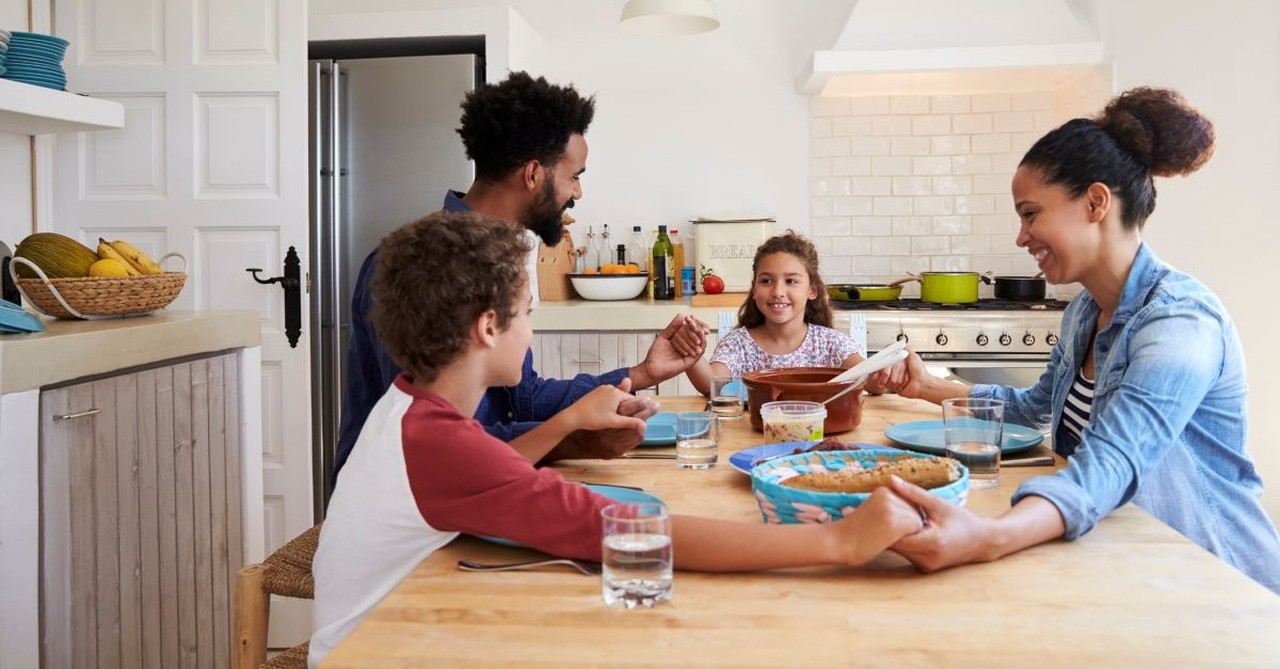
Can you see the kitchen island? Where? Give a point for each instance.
(1130, 593)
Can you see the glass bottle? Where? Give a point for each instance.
(592, 260)
(638, 249)
(622, 255)
(677, 253)
(664, 261)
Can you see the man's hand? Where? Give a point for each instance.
(678, 346)
(607, 442)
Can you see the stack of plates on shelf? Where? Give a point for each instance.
(4, 49)
(36, 59)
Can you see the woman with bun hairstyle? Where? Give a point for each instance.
(1145, 392)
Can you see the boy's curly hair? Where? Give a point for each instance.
(816, 311)
(435, 276)
(505, 125)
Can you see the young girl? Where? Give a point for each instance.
(785, 321)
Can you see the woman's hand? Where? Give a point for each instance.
(952, 535)
(911, 376)
(875, 525)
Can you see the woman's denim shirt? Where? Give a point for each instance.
(1168, 421)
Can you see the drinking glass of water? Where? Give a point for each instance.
(726, 396)
(972, 431)
(637, 554)
(696, 439)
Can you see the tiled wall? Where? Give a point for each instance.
(921, 183)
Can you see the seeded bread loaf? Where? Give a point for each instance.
(924, 472)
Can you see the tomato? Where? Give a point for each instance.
(712, 284)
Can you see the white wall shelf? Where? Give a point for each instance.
(32, 110)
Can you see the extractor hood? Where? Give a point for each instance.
(955, 46)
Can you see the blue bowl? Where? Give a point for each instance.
(783, 504)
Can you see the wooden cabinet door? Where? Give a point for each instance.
(140, 517)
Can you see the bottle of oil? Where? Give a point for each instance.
(677, 252)
(663, 266)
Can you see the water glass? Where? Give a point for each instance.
(726, 396)
(636, 549)
(696, 440)
(972, 432)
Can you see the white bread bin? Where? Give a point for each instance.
(727, 247)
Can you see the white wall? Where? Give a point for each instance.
(15, 154)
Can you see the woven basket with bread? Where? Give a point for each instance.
(823, 486)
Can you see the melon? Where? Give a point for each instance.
(59, 256)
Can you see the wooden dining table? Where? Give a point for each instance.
(1130, 593)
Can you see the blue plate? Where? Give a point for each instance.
(745, 459)
(624, 495)
(660, 430)
(926, 436)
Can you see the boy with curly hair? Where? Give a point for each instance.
(452, 305)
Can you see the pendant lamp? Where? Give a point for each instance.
(669, 17)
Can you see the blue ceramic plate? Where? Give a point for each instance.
(745, 459)
(660, 430)
(926, 436)
(624, 495)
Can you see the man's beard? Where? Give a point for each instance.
(544, 216)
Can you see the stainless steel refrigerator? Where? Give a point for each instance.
(384, 149)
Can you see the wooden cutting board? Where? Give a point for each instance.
(720, 300)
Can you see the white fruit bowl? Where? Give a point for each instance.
(609, 286)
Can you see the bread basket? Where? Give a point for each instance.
(783, 504)
(91, 297)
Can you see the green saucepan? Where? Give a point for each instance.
(867, 292)
(949, 287)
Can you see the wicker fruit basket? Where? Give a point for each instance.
(88, 297)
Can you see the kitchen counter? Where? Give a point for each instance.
(72, 349)
(1132, 592)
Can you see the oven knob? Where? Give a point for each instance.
(1028, 339)
(941, 339)
(1051, 339)
(1005, 339)
(902, 336)
(982, 340)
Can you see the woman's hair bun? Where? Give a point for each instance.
(1161, 129)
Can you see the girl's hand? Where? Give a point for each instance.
(952, 535)
(878, 523)
(690, 339)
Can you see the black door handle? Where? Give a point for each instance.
(291, 282)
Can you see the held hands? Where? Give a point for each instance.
(612, 423)
(678, 346)
(952, 535)
(875, 525)
(909, 377)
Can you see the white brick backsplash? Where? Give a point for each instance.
(1004, 205)
(850, 246)
(819, 106)
(835, 226)
(821, 244)
(869, 106)
(820, 127)
(822, 206)
(823, 147)
(949, 104)
(931, 125)
(872, 226)
(891, 246)
(911, 226)
(1045, 121)
(846, 126)
(855, 166)
(902, 266)
(890, 165)
(976, 204)
(868, 146)
(836, 265)
(950, 225)
(892, 206)
(993, 143)
(910, 146)
(1013, 121)
(931, 165)
(972, 165)
(1031, 101)
(1008, 245)
(870, 186)
(1021, 141)
(909, 104)
(991, 183)
(923, 246)
(950, 263)
(991, 102)
(820, 167)
(912, 186)
(891, 125)
(970, 244)
(933, 206)
(971, 124)
(852, 206)
(952, 185)
(868, 266)
(1006, 163)
(949, 145)
(996, 264)
(830, 187)
(993, 224)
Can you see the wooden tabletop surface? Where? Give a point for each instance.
(1130, 593)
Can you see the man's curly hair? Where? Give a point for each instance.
(506, 125)
(435, 276)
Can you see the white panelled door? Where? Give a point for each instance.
(212, 164)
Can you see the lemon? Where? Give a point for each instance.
(108, 267)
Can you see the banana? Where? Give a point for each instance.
(137, 258)
(106, 252)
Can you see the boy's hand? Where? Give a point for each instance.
(875, 525)
(603, 409)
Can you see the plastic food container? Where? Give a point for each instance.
(792, 421)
